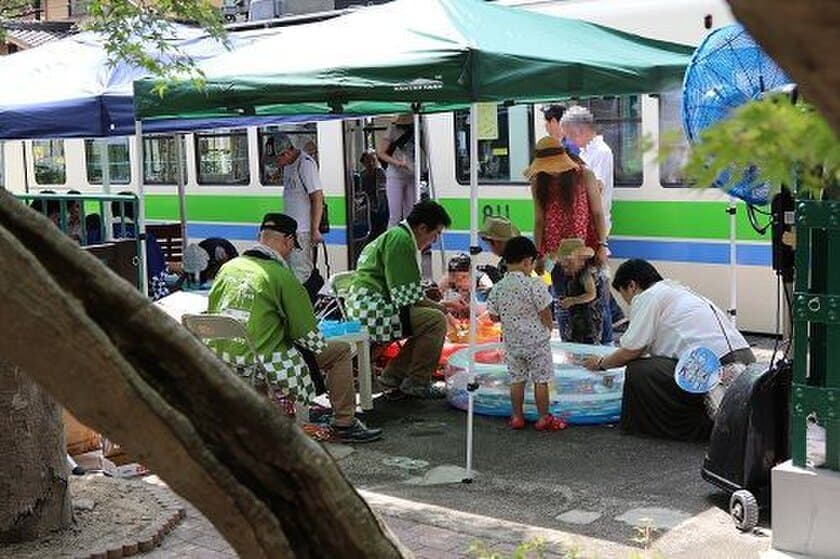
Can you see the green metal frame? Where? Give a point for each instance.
(816, 328)
(92, 203)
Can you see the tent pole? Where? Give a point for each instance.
(417, 155)
(474, 251)
(141, 205)
(182, 196)
(733, 261)
(105, 165)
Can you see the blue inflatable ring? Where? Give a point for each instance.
(579, 396)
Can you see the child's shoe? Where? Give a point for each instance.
(516, 423)
(550, 423)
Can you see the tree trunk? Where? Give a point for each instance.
(34, 499)
(800, 36)
(138, 377)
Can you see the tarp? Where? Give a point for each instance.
(68, 88)
(441, 53)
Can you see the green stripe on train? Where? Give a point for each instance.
(690, 219)
(228, 209)
(686, 219)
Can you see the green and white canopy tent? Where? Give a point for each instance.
(420, 56)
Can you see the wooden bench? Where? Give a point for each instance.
(170, 238)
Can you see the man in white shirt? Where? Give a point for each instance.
(666, 320)
(303, 200)
(578, 125)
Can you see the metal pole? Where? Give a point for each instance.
(474, 251)
(417, 155)
(141, 206)
(182, 196)
(104, 164)
(733, 261)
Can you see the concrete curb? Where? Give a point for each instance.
(493, 530)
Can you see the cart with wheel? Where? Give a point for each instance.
(749, 438)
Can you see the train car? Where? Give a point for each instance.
(231, 178)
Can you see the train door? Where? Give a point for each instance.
(367, 207)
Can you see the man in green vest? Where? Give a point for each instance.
(260, 290)
(387, 297)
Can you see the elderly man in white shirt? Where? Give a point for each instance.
(666, 320)
(578, 125)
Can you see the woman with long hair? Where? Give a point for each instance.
(567, 205)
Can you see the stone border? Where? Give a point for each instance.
(151, 537)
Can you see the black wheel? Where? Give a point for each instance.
(743, 508)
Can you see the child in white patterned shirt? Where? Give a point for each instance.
(523, 304)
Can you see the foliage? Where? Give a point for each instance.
(11, 9)
(779, 137)
(532, 549)
(141, 33)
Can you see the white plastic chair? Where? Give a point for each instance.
(208, 327)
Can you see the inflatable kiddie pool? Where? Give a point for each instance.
(579, 396)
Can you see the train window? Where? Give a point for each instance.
(672, 141)
(304, 137)
(504, 145)
(222, 157)
(160, 159)
(48, 159)
(619, 120)
(119, 164)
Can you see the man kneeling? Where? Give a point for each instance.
(259, 289)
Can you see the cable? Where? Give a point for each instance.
(778, 320)
(751, 211)
(789, 302)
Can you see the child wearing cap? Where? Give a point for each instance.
(578, 294)
(523, 305)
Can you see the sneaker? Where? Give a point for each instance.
(550, 423)
(387, 382)
(423, 392)
(516, 423)
(358, 432)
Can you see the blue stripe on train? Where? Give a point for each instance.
(703, 252)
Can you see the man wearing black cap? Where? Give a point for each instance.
(261, 291)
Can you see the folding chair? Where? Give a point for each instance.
(208, 327)
(340, 283)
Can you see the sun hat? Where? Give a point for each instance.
(550, 157)
(497, 228)
(574, 248)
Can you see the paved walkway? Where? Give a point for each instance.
(429, 531)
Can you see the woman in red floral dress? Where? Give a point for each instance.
(567, 204)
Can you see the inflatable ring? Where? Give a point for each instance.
(579, 396)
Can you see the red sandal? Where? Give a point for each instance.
(516, 423)
(550, 423)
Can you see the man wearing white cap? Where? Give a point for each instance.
(303, 200)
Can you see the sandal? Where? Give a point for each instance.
(550, 423)
(516, 422)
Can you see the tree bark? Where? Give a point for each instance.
(138, 377)
(800, 36)
(33, 476)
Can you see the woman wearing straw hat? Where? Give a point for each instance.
(396, 152)
(567, 205)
